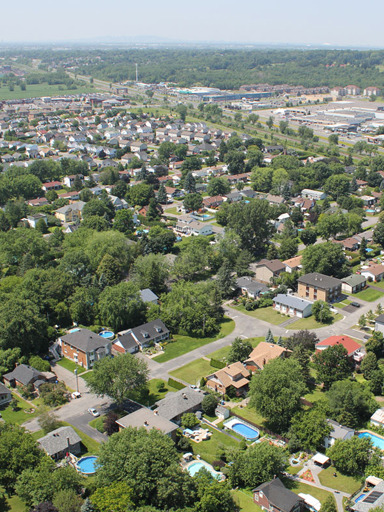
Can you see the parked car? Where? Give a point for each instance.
(355, 304)
(76, 394)
(93, 411)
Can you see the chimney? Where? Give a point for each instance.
(68, 442)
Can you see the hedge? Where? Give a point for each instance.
(175, 384)
(217, 364)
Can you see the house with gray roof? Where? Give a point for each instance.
(373, 499)
(353, 283)
(316, 286)
(84, 347)
(137, 338)
(5, 395)
(25, 375)
(147, 295)
(177, 403)
(291, 305)
(338, 432)
(145, 418)
(251, 288)
(275, 496)
(61, 441)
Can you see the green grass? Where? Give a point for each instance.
(172, 211)
(70, 365)
(298, 487)
(86, 375)
(98, 424)
(194, 371)
(209, 450)
(342, 304)
(380, 284)
(184, 344)
(250, 414)
(154, 393)
(315, 395)
(369, 294)
(310, 322)
(267, 314)
(15, 505)
(223, 352)
(341, 482)
(245, 501)
(38, 434)
(38, 90)
(19, 416)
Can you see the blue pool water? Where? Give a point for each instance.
(245, 431)
(377, 441)
(87, 465)
(359, 498)
(106, 334)
(196, 466)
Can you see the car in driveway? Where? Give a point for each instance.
(94, 412)
(76, 394)
(355, 304)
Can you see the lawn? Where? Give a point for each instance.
(91, 447)
(172, 211)
(315, 395)
(250, 414)
(184, 344)
(223, 352)
(369, 294)
(380, 284)
(19, 416)
(194, 371)
(341, 482)
(342, 304)
(70, 365)
(38, 90)
(154, 393)
(298, 487)
(267, 314)
(15, 504)
(86, 375)
(310, 322)
(245, 501)
(210, 450)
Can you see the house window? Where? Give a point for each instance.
(256, 497)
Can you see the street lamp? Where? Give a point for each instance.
(77, 380)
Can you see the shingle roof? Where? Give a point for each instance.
(354, 280)
(148, 419)
(147, 295)
(277, 495)
(265, 352)
(85, 340)
(175, 404)
(4, 390)
(319, 280)
(348, 343)
(373, 499)
(250, 285)
(292, 301)
(23, 373)
(224, 375)
(272, 265)
(339, 431)
(57, 440)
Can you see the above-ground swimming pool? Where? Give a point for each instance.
(194, 467)
(377, 441)
(244, 429)
(106, 334)
(87, 465)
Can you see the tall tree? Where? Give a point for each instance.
(332, 364)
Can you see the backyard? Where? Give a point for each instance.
(267, 314)
(341, 482)
(183, 344)
(298, 487)
(210, 450)
(19, 415)
(369, 294)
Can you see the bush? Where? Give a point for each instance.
(215, 363)
(189, 420)
(209, 404)
(54, 394)
(39, 364)
(175, 383)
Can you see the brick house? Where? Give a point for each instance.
(274, 497)
(235, 375)
(266, 270)
(84, 347)
(25, 375)
(315, 286)
(5, 395)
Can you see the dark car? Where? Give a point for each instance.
(355, 304)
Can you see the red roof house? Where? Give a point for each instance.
(352, 347)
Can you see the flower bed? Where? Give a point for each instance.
(307, 475)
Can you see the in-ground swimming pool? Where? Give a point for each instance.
(377, 441)
(244, 429)
(195, 467)
(359, 498)
(87, 465)
(106, 334)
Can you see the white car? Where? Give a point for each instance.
(93, 411)
(76, 394)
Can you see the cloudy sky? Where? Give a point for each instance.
(333, 22)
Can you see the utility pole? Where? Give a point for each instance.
(77, 380)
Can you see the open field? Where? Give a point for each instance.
(39, 90)
(184, 344)
(310, 322)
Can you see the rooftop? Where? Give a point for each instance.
(57, 440)
(319, 280)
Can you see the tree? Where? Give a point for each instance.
(46, 506)
(218, 187)
(189, 420)
(123, 221)
(330, 224)
(120, 378)
(308, 236)
(309, 428)
(109, 271)
(269, 122)
(209, 404)
(329, 505)
(378, 233)
(351, 456)
(363, 249)
(327, 258)
(121, 306)
(117, 497)
(276, 391)
(333, 138)
(18, 451)
(140, 195)
(67, 500)
(83, 305)
(39, 364)
(257, 464)
(288, 248)
(151, 271)
(154, 210)
(350, 403)
(193, 202)
(159, 239)
(322, 312)
(109, 423)
(362, 321)
(162, 195)
(235, 161)
(261, 179)
(368, 365)
(337, 185)
(303, 338)
(48, 421)
(87, 506)
(269, 337)
(375, 344)
(332, 364)
(239, 350)
(225, 281)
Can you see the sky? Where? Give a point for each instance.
(299, 22)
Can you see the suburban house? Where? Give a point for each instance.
(263, 353)
(137, 338)
(318, 195)
(349, 244)
(251, 288)
(25, 375)
(273, 496)
(213, 202)
(291, 305)
(374, 272)
(70, 212)
(174, 405)
(266, 270)
(52, 185)
(373, 499)
(379, 323)
(353, 283)
(145, 418)
(315, 286)
(338, 432)
(34, 219)
(354, 350)
(148, 296)
(193, 227)
(70, 180)
(40, 201)
(61, 441)
(234, 374)
(84, 347)
(293, 264)
(377, 418)
(5, 395)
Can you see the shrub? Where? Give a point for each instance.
(209, 404)
(175, 383)
(215, 363)
(39, 364)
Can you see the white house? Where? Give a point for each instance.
(313, 194)
(338, 432)
(34, 219)
(293, 306)
(377, 418)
